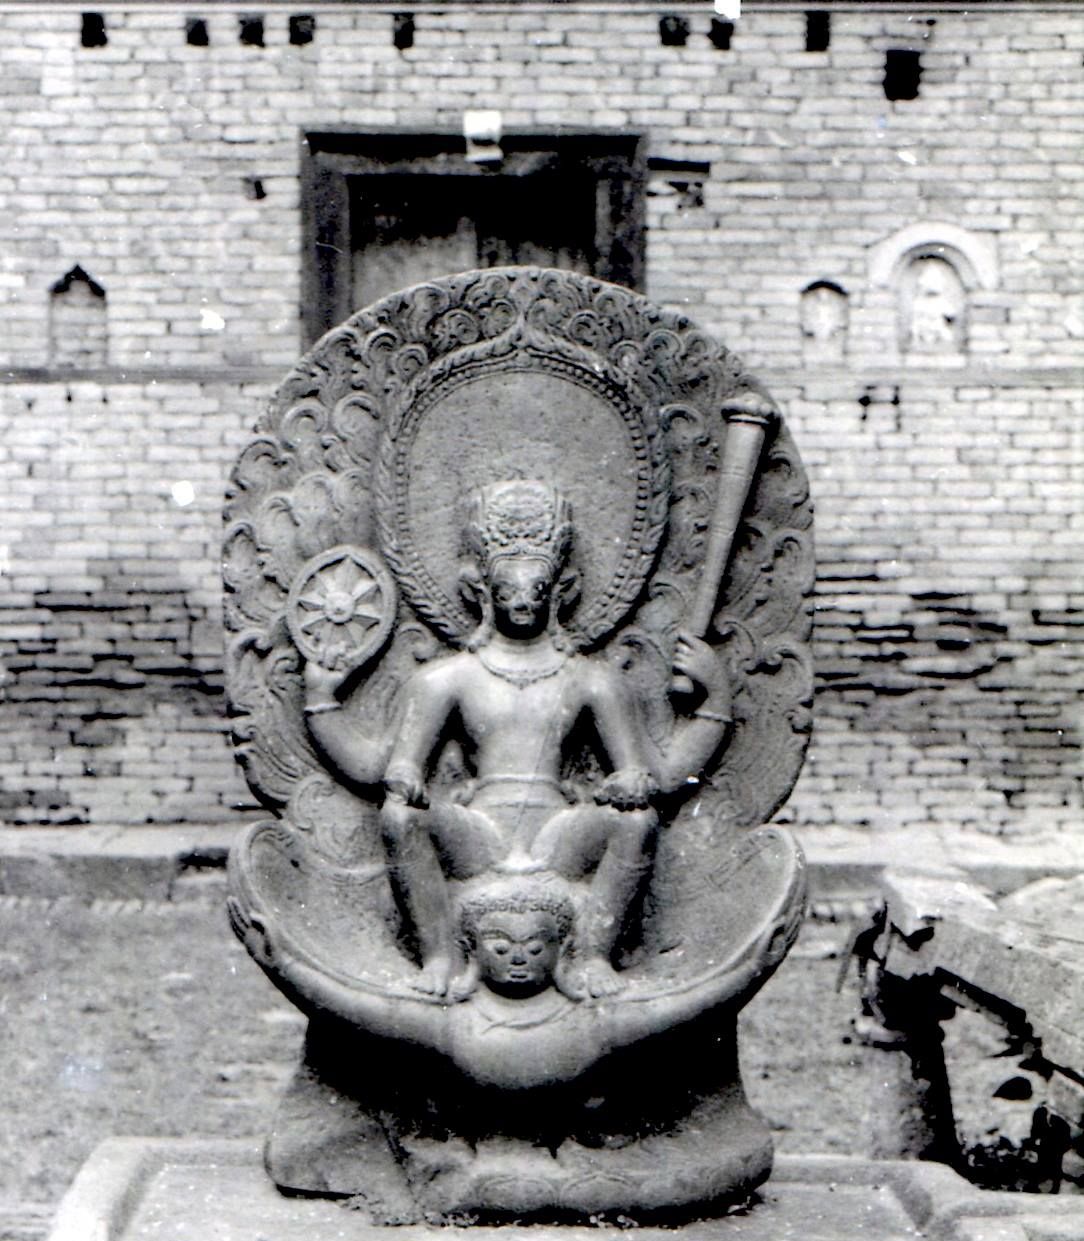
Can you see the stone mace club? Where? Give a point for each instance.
(747, 417)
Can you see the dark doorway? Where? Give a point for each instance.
(385, 211)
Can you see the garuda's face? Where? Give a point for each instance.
(521, 586)
(517, 952)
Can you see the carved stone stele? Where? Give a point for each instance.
(518, 572)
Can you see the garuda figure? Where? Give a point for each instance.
(517, 570)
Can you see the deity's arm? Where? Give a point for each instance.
(427, 701)
(627, 750)
(696, 737)
(341, 740)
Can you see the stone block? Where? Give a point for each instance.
(136, 1189)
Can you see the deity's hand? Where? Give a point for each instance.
(631, 788)
(695, 659)
(321, 684)
(405, 783)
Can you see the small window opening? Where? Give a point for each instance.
(251, 30)
(818, 30)
(673, 31)
(195, 32)
(94, 34)
(77, 321)
(402, 30)
(302, 29)
(903, 68)
(254, 188)
(720, 34)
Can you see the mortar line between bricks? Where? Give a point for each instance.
(588, 6)
(1009, 377)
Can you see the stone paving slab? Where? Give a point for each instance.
(134, 1189)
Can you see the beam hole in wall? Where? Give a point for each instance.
(254, 188)
(402, 31)
(673, 31)
(78, 324)
(302, 29)
(818, 30)
(720, 33)
(682, 179)
(251, 29)
(195, 32)
(94, 32)
(903, 69)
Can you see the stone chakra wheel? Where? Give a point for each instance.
(341, 608)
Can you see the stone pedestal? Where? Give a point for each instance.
(134, 1189)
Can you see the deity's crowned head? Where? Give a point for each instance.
(518, 535)
(519, 517)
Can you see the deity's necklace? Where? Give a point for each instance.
(522, 677)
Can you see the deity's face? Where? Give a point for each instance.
(521, 588)
(517, 952)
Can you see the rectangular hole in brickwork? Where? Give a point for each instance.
(818, 30)
(679, 179)
(402, 30)
(720, 34)
(251, 29)
(673, 31)
(302, 29)
(195, 32)
(903, 68)
(94, 34)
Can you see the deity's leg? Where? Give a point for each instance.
(421, 886)
(613, 887)
(617, 843)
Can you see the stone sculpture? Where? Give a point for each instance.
(518, 570)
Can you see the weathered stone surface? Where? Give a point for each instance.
(518, 571)
(1016, 968)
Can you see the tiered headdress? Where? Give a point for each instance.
(519, 517)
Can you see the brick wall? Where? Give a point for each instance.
(948, 481)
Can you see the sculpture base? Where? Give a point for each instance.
(174, 1189)
(661, 1132)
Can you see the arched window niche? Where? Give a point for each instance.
(933, 272)
(78, 324)
(932, 304)
(823, 317)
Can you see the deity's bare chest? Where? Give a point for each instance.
(537, 713)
